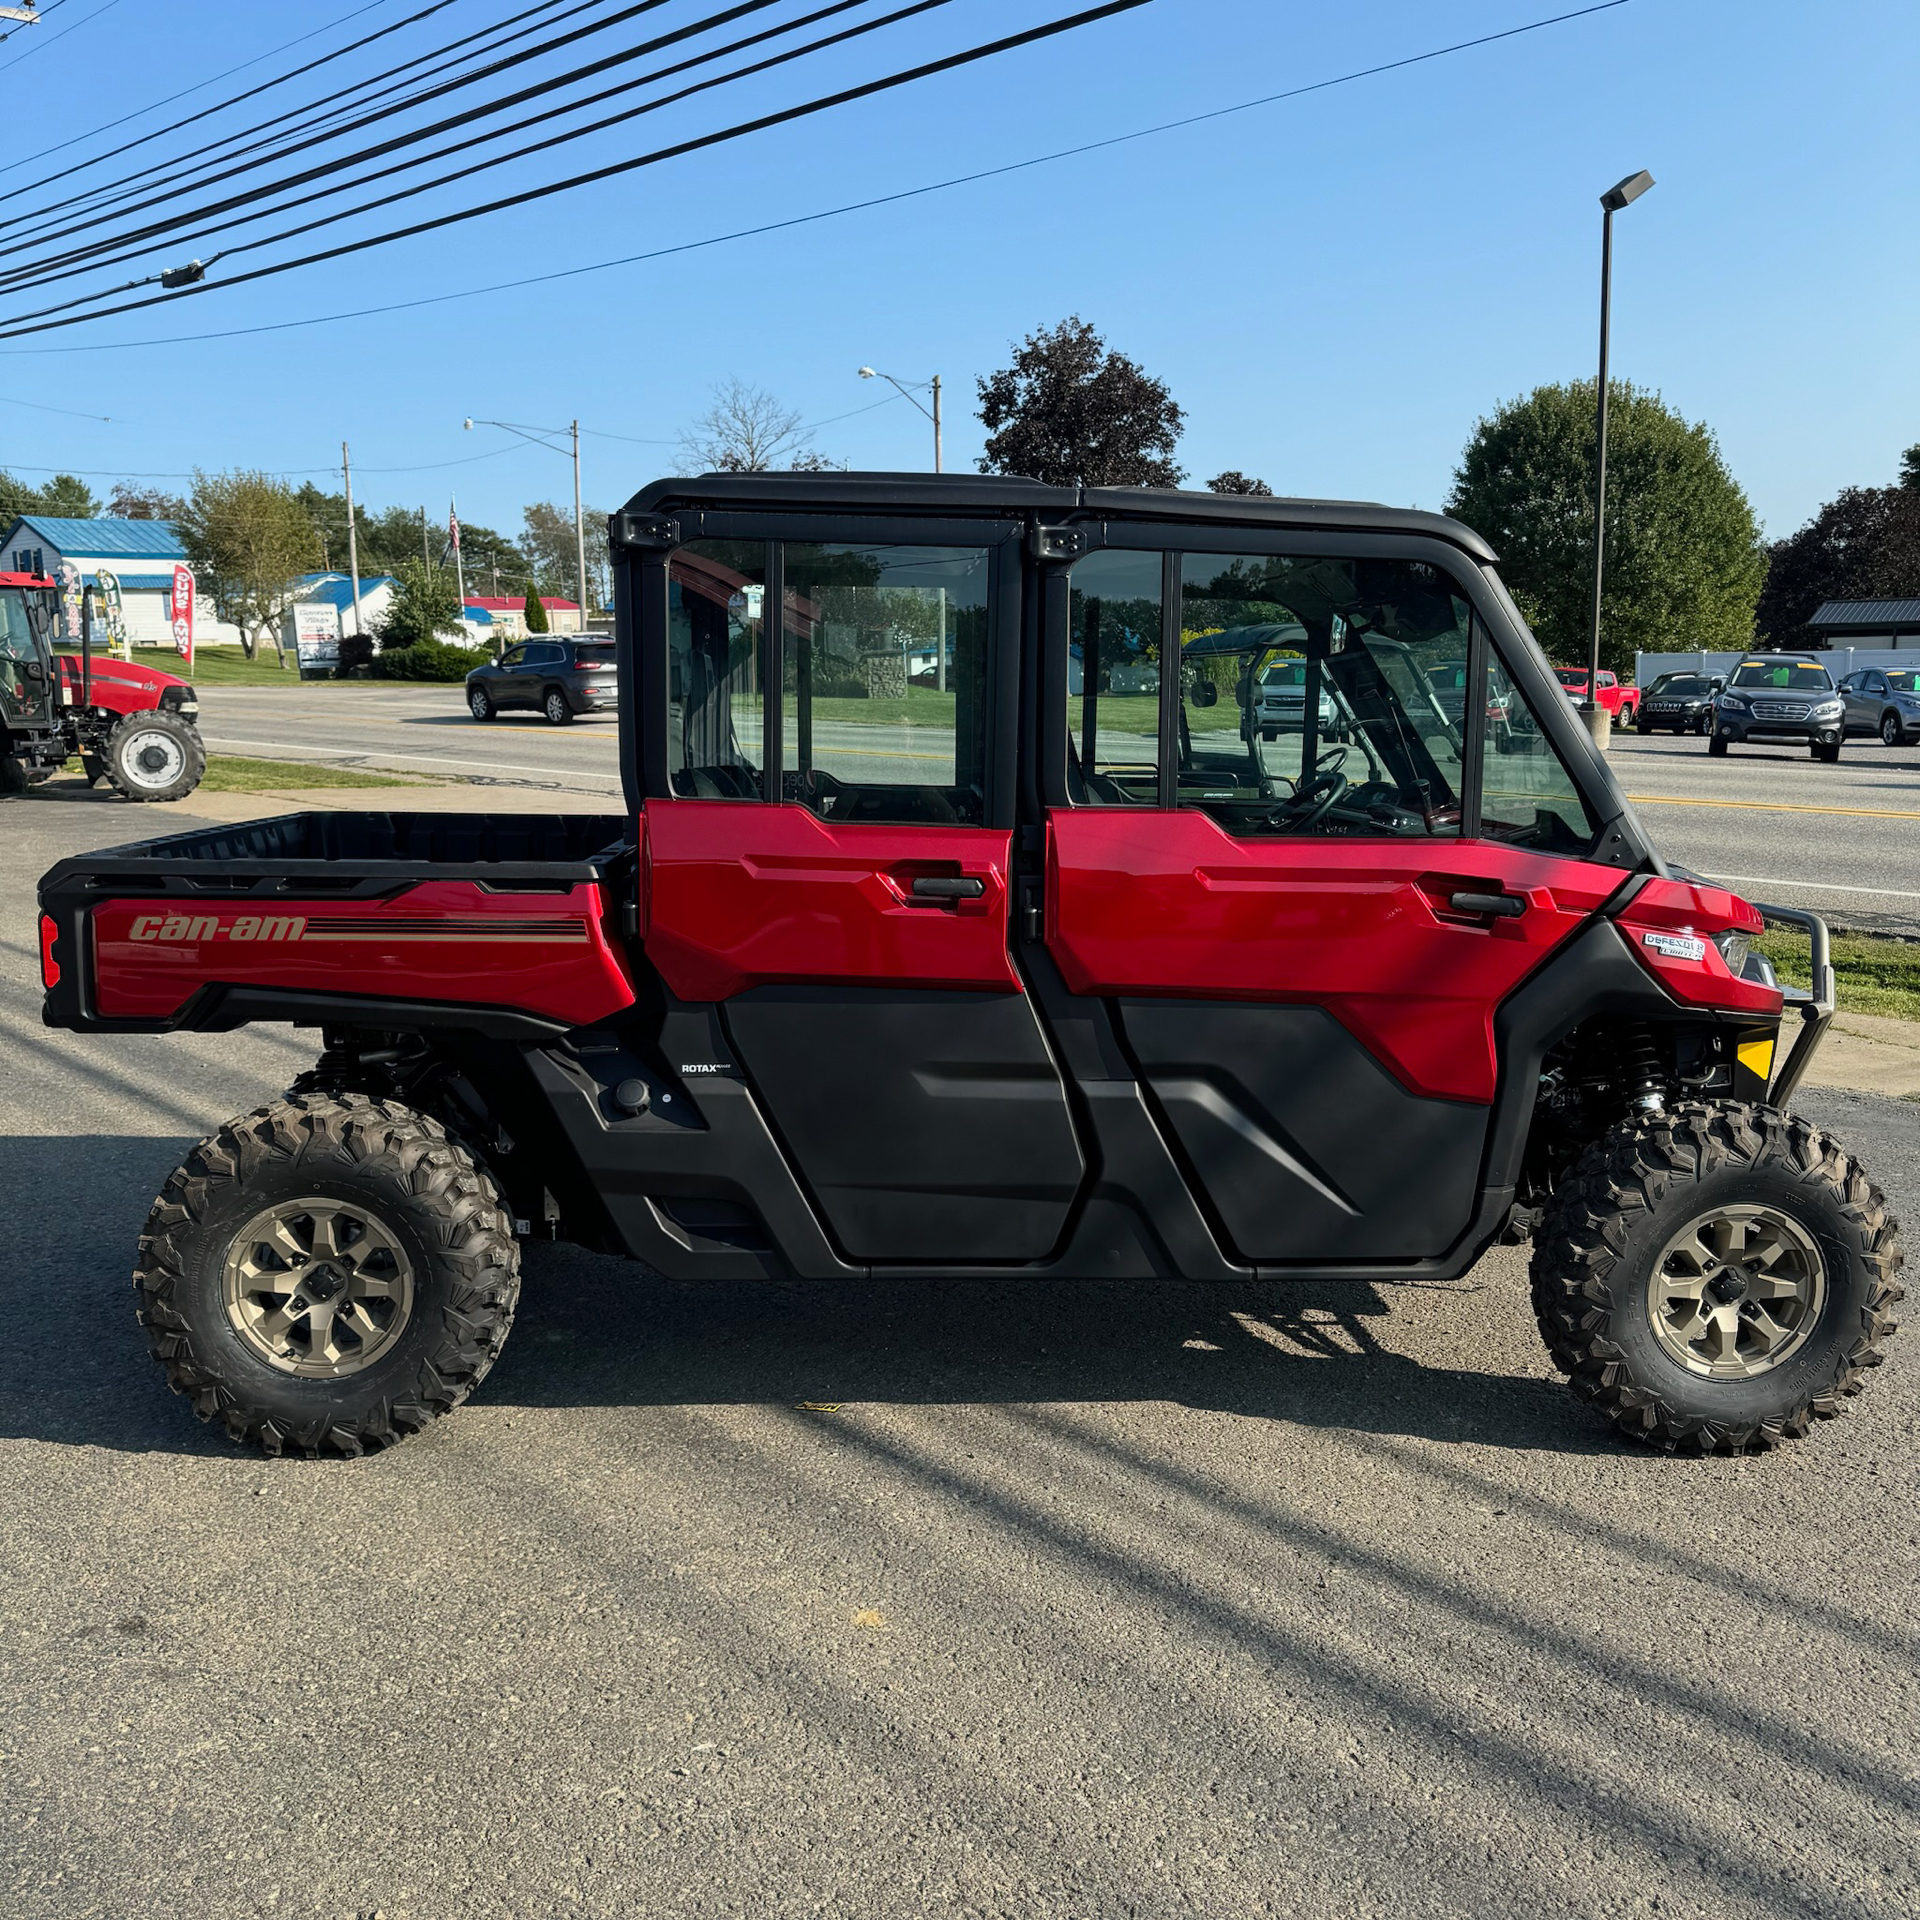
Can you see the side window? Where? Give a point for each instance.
(514, 657)
(546, 655)
(1527, 796)
(1321, 695)
(716, 713)
(1113, 681)
(883, 682)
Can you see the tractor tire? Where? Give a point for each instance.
(13, 774)
(154, 756)
(1715, 1278)
(307, 1216)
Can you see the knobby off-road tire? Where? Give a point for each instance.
(154, 756)
(13, 774)
(1607, 1239)
(423, 1224)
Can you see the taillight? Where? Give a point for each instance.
(1693, 939)
(591, 666)
(49, 966)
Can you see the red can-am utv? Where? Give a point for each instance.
(929, 943)
(133, 726)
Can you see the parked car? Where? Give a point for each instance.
(1885, 701)
(1780, 696)
(559, 678)
(1619, 699)
(1279, 703)
(812, 1009)
(1679, 703)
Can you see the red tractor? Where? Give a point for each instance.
(133, 726)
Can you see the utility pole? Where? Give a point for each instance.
(579, 529)
(937, 452)
(353, 542)
(426, 552)
(459, 564)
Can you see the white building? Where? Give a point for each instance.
(137, 556)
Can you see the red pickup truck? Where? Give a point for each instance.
(1620, 700)
(1018, 974)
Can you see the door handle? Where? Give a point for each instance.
(949, 886)
(1497, 906)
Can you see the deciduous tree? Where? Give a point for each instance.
(1072, 413)
(1234, 481)
(425, 606)
(250, 540)
(1684, 557)
(131, 502)
(747, 430)
(1864, 545)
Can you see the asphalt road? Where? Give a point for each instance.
(1842, 840)
(1081, 1601)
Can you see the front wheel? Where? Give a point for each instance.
(1717, 1277)
(327, 1275)
(154, 756)
(1829, 754)
(1890, 729)
(557, 709)
(1718, 744)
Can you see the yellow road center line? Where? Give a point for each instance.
(1772, 806)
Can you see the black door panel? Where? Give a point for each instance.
(928, 1125)
(1303, 1144)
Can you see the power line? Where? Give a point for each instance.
(83, 21)
(833, 213)
(197, 87)
(538, 146)
(44, 272)
(111, 193)
(946, 64)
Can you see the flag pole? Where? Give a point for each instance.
(459, 564)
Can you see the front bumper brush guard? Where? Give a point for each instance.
(1816, 1007)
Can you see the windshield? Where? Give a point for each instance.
(1802, 676)
(1680, 685)
(1907, 680)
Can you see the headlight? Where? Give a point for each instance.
(1829, 710)
(1734, 947)
(1733, 703)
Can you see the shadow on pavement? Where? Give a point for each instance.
(595, 1331)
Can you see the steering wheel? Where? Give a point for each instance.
(1309, 803)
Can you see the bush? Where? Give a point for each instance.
(425, 660)
(356, 651)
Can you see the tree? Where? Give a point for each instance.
(425, 605)
(16, 498)
(1684, 558)
(130, 502)
(67, 497)
(549, 544)
(747, 430)
(1234, 481)
(1071, 413)
(1864, 545)
(535, 612)
(1910, 468)
(250, 540)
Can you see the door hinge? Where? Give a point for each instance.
(641, 533)
(1057, 543)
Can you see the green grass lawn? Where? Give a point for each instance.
(1869, 975)
(222, 667)
(229, 774)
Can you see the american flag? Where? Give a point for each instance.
(453, 528)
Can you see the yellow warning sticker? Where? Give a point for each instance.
(1757, 1056)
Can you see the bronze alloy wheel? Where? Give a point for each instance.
(318, 1288)
(1736, 1291)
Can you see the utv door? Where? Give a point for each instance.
(1305, 940)
(827, 865)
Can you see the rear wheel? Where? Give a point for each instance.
(327, 1275)
(480, 703)
(13, 774)
(556, 708)
(154, 756)
(1716, 1278)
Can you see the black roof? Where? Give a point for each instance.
(990, 493)
(1865, 616)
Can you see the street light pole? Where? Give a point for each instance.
(1624, 195)
(353, 543)
(873, 373)
(579, 529)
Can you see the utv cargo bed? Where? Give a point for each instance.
(499, 922)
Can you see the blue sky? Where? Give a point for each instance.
(1335, 286)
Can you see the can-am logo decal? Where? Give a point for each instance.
(206, 926)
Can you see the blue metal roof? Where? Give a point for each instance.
(336, 590)
(145, 582)
(479, 616)
(102, 538)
